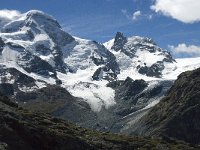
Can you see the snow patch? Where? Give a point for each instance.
(81, 85)
(182, 65)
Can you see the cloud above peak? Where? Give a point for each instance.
(9, 14)
(182, 50)
(186, 11)
(136, 15)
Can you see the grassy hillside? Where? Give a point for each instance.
(24, 130)
(178, 114)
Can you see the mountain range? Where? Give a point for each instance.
(112, 87)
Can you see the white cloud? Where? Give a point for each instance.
(185, 50)
(136, 15)
(9, 14)
(186, 11)
(125, 13)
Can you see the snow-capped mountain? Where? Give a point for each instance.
(141, 58)
(35, 51)
(37, 47)
(139, 55)
(37, 37)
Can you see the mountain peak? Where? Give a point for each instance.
(119, 41)
(41, 18)
(32, 12)
(38, 13)
(119, 35)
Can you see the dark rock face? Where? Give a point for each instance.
(98, 74)
(111, 60)
(153, 71)
(119, 42)
(7, 89)
(130, 88)
(58, 59)
(177, 115)
(126, 95)
(2, 44)
(32, 63)
(18, 79)
(29, 35)
(169, 58)
(15, 46)
(58, 56)
(42, 49)
(97, 61)
(58, 102)
(111, 68)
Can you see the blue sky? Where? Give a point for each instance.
(100, 19)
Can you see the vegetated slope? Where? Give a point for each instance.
(22, 129)
(177, 115)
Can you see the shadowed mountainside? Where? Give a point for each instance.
(22, 129)
(177, 115)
